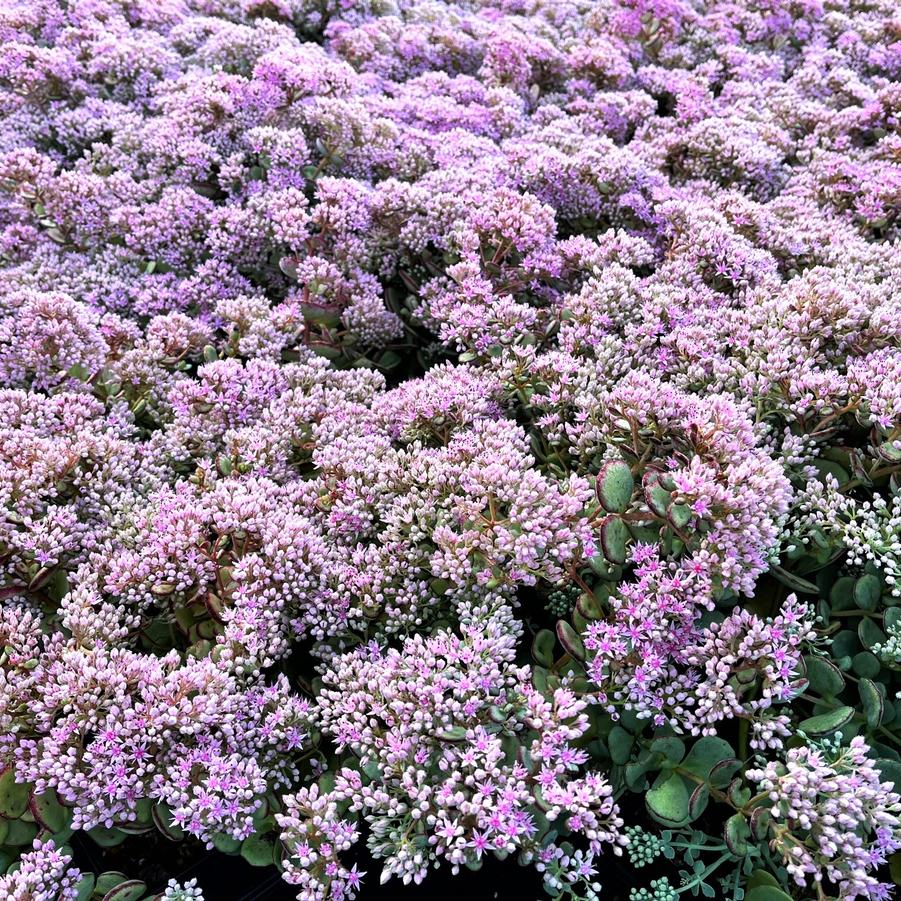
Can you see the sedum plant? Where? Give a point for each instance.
(433, 432)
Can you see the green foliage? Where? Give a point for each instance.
(13, 795)
(130, 890)
(826, 723)
(543, 647)
(667, 801)
(570, 640)
(614, 539)
(615, 486)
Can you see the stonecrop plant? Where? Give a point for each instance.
(441, 431)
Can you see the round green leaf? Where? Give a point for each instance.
(845, 644)
(615, 486)
(721, 774)
(890, 450)
(761, 877)
(162, 819)
(614, 538)
(224, 843)
(667, 802)
(589, 605)
(132, 890)
(570, 640)
(697, 802)
(672, 748)
(389, 360)
(826, 723)
(736, 834)
(48, 811)
(258, 851)
(657, 498)
(867, 591)
(679, 515)
(20, 832)
(870, 634)
(761, 818)
(13, 795)
(824, 676)
(109, 880)
(543, 647)
(321, 314)
(635, 773)
(619, 742)
(706, 753)
(841, 596)
(373, 771)
(85, 887)
(580, 624)
(872, 701)
(107, 838)
(866, 664)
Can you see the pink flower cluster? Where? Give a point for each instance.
(106, 727)
(438, 773)
(832, 816)
(44, 874)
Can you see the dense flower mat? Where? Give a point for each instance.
(450, 430)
